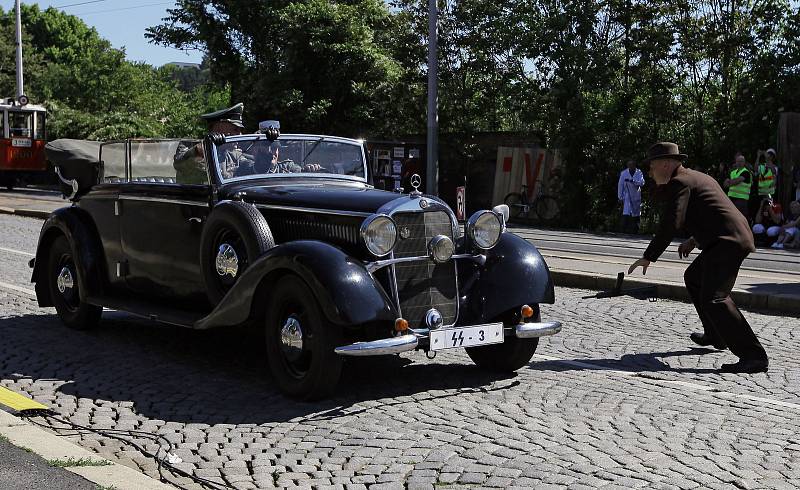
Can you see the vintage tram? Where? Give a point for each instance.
(22, 140)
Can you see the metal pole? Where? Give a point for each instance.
(432, 180)
(20, 88)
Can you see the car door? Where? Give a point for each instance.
(161, 225)
(102, 205)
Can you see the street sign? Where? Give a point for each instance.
(461, 205)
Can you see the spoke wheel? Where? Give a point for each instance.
(514, 203)
(64, 286)
(301, 342)
(547, 208)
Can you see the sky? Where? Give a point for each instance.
(123, 22)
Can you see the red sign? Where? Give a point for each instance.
(461, 205)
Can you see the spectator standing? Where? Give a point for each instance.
(768, 220)
(738, 184)
(789, 237)
(629, 193)
(767, 175)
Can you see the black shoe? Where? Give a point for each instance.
(746, 366)
(703, 340)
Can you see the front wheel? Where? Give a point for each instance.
(515, 205)
(301, 342)
(509, 356)
(64, 285)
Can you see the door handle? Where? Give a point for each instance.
(195, 219)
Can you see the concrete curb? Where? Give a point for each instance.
(28, 213)
(775, 303)
(49, 446)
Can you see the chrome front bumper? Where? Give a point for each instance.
(540, 329)
(404, 343)
(394, 345)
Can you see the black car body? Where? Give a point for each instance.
(302, 247)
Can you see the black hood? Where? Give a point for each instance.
(327, 195)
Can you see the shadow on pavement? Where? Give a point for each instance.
(211, 377)
(775, 288)
(634, 363)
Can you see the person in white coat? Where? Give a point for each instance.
(629, 193)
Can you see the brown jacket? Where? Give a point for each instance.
(694, 202)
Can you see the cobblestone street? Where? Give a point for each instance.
(619, 399)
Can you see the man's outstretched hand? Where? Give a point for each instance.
(685, 248)
(644, 263)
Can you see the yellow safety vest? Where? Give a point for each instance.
(742, 189)
(766, 181)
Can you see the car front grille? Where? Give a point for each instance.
(423, 284)
(314, 227)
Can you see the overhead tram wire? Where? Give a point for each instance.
(80, 3)
(124, 8)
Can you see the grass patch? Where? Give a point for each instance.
(4, 439)
(72, 462)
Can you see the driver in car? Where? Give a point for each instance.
(270, 163)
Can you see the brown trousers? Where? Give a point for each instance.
(709, 279)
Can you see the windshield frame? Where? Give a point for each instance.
(306, 137)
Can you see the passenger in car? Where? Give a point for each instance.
(268, 162)
(189, 161)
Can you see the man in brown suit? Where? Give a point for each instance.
(694, 202)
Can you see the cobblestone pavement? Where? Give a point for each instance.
(618, 399)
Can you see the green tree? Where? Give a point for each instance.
(317, 65)
(90, 90)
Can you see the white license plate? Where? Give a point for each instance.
(21, 143)
(450, 338)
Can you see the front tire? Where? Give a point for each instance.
(301, 342)
(507, 357)
(64, 285)
(514, 203)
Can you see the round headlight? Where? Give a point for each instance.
(380, 235)
(484, 228)
(441, 248)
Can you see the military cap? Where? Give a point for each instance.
(232, 115)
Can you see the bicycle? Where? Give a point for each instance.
(544, 207)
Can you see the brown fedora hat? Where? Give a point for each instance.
(664, 150)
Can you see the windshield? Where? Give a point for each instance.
(287, 155)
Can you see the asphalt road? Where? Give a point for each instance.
(22, 470)
(618, 399)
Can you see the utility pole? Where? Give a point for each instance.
(20, 87)
(432, 179)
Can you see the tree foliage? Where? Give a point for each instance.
(90, 90)
(321, 66)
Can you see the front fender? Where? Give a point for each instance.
(77, 226)
(346, 292)
(514, 274)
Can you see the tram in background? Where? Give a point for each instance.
(22, 140)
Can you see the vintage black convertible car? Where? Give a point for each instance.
(285, 233)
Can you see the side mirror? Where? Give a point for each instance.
(502, 210)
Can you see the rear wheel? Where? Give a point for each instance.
(514, 203)
(547, 208)
(301, 342)
(64, 289)
(509, 356)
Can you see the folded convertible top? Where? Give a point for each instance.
(75, 160)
